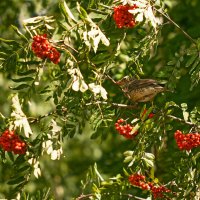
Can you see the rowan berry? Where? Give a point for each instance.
(159, 191)
(122, 16)
(9, 141)
(150, 115)
(43, 49)
(187, 141)
(125, 130)
(139, 181)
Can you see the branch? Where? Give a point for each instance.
(33, 120)
(182, 120)
(86, 196)
(113, 104)
(177, 26)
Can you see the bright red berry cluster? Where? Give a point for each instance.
(9, 141)
(43, 49)
(125, 130)
(123, 17)
(187, 141)
(158, 191)
(139, 181)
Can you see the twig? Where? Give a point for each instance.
(177, 26)
(113, 104)
(34, 120)
(182, 120)
(86, 196)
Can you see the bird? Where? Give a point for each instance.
(140, 90)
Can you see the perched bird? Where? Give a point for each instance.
(140, 90)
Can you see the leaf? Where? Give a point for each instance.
(24, 79)
(149, 163)
(10, 42)
(66, 11)
(20, 159)
(185, 115)
(33, 20)
(10, 154)
(95, 135)
(20, 87)
(19, 33)
(191, 60)
(195, 64)
(31, 71)
(149, 156)
(16, 181)
(76, 85)
(23, 169)
(172, 62)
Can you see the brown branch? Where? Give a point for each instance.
(176, 25)
(113, 104)
(86, 196)
(182, 121)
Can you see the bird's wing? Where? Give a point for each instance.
(143, 83)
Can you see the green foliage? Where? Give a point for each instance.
(67, 111)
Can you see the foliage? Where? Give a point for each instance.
(66, 111)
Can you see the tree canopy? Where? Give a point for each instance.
(69, 130)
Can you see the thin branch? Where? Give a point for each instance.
(86, 196)
(33, 120)
(182, 120)
(113, 104)
(177, 26)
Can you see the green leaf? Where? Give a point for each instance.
(191, 60)
(83, 14)
(66, 11)
(195, 64)
(20, 87)
(10, 154)
(19, 33)
(20, 159)
(23, 169)
(148, 163)
(16, 181)
(94, 135)
(172, 62)
(24, 79)
(10, 42)
(31, 71)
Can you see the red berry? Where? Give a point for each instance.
(125, 130)
(11, 142)
(123, 17)
(187, 141)
(43, 49)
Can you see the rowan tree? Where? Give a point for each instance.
(61, 101)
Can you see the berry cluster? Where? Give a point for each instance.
(139, 181)
(125, 130)
(43, 49)
(151, 115)
(9, 141)
(122, 16)
(158, 191)
(187, 141)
